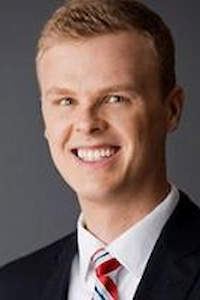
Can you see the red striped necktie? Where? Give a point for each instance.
(107, 270)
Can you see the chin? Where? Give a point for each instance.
(93, 193)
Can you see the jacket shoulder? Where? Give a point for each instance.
(26, 277)
(187, 212)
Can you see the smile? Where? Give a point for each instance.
(95, 154)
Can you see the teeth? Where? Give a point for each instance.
(96, 154)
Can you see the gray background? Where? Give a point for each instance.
(36, 207)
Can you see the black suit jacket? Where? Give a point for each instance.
(172, 273)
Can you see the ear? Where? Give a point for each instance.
(44, 125)
(45, 134)
(175, 101)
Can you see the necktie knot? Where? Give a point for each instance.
(104, 263)
(107, 269)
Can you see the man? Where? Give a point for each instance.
(109, 99)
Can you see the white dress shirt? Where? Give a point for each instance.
(132, 249)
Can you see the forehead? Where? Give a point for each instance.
(106, 57)
(130, 36)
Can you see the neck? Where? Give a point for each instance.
(109, 218)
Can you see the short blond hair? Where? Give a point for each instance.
(78, 19)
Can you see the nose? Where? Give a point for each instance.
(89, 121)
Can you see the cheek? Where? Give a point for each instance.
(132, 126)
(57, 131)
(141, 131)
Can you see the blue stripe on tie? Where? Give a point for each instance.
(104, 254)
(100, 295)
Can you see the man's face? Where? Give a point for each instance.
(105, 119)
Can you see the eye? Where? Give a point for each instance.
(65, 102)
(115, 99)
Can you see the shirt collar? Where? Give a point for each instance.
(133, 248)
(87, 246)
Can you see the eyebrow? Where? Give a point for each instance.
(58, 91)
(107, 90)
(119, 87)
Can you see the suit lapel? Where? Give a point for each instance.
(57, 284)
(175, 261)
(171, 270)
